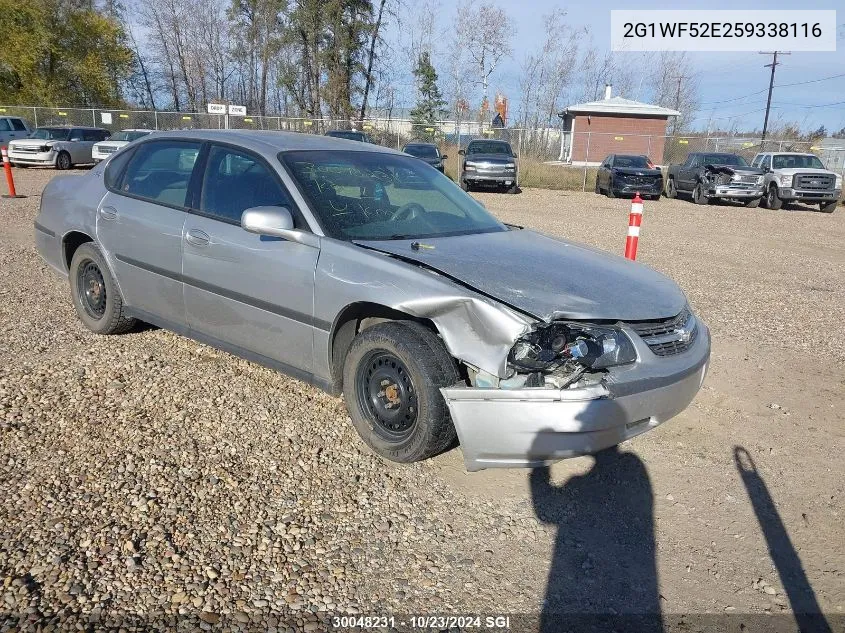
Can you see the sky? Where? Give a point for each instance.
(726, 79)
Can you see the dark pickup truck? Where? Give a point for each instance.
(709, 176)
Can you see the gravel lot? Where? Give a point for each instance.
(149, 480)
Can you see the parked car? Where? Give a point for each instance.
(435, 321)
(12, 127)
(796, 177)
(488, 163)
(709, 176)
(626, 174)
(104, 149)
(60, 147)
(428, 153)
(350, 135)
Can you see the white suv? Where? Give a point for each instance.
(795, 177)
(12, 127)
(104, 149)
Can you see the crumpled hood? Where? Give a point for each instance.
(547, 277)
(735, 169)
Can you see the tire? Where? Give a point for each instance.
(655, 198)
(772, 199)
(671, 190)
(514, 189)
(828, 207)
(753, 204)
(464, 185)
(415, 359)
(63, 161)
(609, 191)
(90, 278)
(598, 189)
(698, 196)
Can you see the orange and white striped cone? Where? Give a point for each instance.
(634, 221)
(10, 181)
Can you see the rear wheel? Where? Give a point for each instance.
(772, 199)
(671, 191)
(95, 295)
(391, 383)
(63, 161)
(828, 207)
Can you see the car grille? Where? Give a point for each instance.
(667, 337)
(639, 180)
(814, 182)
(749, 179)
(106, 149)
(27, 149)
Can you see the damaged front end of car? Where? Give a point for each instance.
(572, 388)
(723, 181)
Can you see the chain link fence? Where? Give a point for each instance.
(548, 156)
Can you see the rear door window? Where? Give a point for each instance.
(160, 171)
(18, 125)
(5, 126)
(235, 181)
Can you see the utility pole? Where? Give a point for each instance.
(773, 65)
(680, 78)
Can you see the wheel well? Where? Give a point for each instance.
(71, 242)
(354, 318)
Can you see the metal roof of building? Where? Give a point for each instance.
(619, 105)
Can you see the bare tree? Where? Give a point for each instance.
(485, 33)
(675, 84)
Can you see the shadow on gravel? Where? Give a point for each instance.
(603, 573)
(802, 598)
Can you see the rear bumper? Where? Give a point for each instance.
(530, 427)
(809, 196)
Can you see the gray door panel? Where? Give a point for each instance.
(143, 243)
(250, 291)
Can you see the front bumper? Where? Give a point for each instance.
(500, 177)
(32, 158)
(733, 191)
(809, 196)
(623, 188)
(502, 428)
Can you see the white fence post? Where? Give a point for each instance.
(586, 158)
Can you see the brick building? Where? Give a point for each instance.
(613, 125)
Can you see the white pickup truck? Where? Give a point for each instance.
(795, 177)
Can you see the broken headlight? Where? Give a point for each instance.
(550, 346)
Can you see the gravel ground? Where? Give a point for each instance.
(149, 480)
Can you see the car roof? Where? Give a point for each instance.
(71, 127)
(420, 144)
(488, 140)
(269, 140)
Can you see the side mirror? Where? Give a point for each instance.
(443, 157)
(462, 152)
(275, 221)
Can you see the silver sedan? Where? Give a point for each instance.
(368, 273)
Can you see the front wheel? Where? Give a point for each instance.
(95, 295)
(63, 161)
(773, 201)
(698, 196)
(464, 185)
(828, 207)
(752, 204)
(391, 383)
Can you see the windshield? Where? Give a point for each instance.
(633, 161)
(128, 135)
(380, 196)
(352, 136)
(793, 161)
(489, 147)
(725, 159)
(422, 151)
(51, 133)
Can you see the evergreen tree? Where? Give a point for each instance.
(430, 103)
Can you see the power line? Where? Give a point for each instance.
(797, 83)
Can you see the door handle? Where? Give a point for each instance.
(108, 213)
(197, 237)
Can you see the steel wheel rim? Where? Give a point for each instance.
(91, 289)
(64, 161)
(387, 395)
